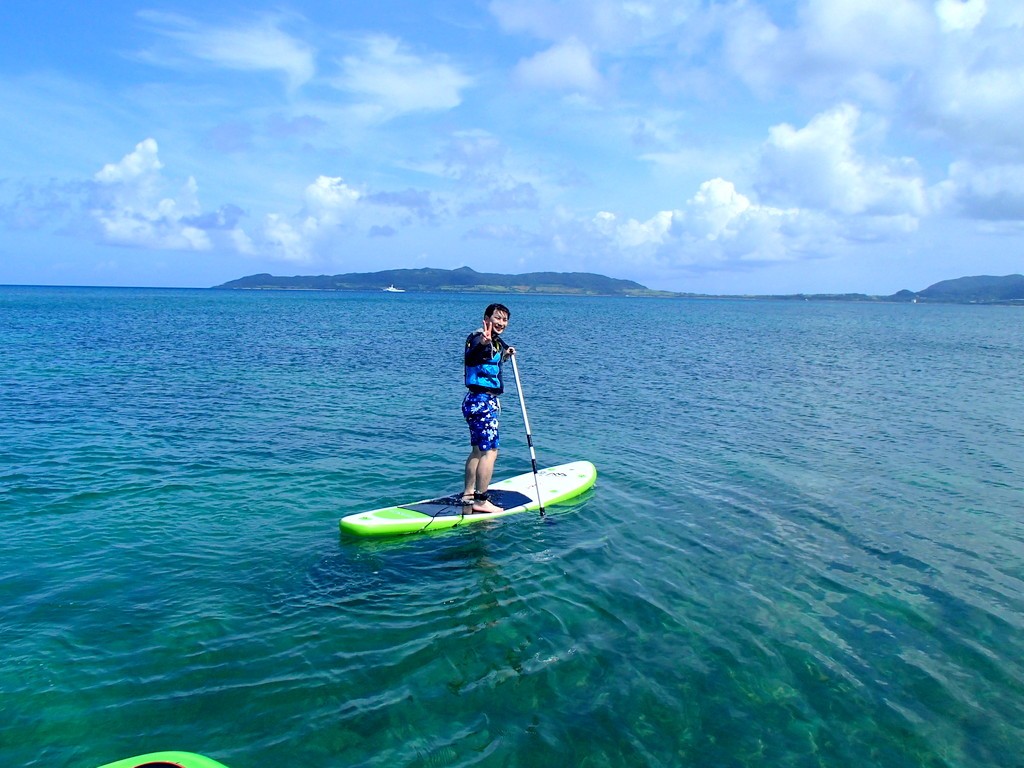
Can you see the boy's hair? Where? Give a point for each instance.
(492, 308)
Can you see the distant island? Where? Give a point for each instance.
(982, 289)
(462, 280)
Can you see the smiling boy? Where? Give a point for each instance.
(485, 352)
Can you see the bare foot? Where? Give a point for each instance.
(485, 507)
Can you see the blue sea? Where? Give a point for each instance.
(805, 546)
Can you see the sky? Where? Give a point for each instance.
(747, 147)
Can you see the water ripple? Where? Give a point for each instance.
(804, 546)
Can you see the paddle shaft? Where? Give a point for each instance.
(529, 436)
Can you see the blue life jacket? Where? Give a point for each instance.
(483, 363)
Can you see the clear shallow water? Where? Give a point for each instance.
(805, 547)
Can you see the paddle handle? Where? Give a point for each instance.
(529, 435)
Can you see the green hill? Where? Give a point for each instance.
(982, 289)
(462, 280)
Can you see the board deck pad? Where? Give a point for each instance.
(452, 505)
(516, 494)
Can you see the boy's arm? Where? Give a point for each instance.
(478, 348)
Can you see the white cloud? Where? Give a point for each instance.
(980, 107)
(470, 155)
(868, 34)
(716, 209)
(834, 48)
(128, 203)
(717, 228)
(334, 213)
(633, 234)
(986, 192)
(394, 81)
(720, 224)
(820, 188)
(606, 25)
(139, 166)
(752, 48)
(954, 69)
(260, 46)
(328, 199)
(960, 14)
(330, 205)
(565, 66)
(287, 240)
(488, 178)
(819, 167)
(131, 209)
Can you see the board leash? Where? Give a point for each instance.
(529, 436)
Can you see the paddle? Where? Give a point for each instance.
(529, 437)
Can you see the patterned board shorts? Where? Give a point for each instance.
(481, 411)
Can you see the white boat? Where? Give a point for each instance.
(392, 289)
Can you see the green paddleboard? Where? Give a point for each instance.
(514, 495)
(166, 760)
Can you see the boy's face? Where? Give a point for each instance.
(498, 321)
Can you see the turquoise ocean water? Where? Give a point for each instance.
(805, 546)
